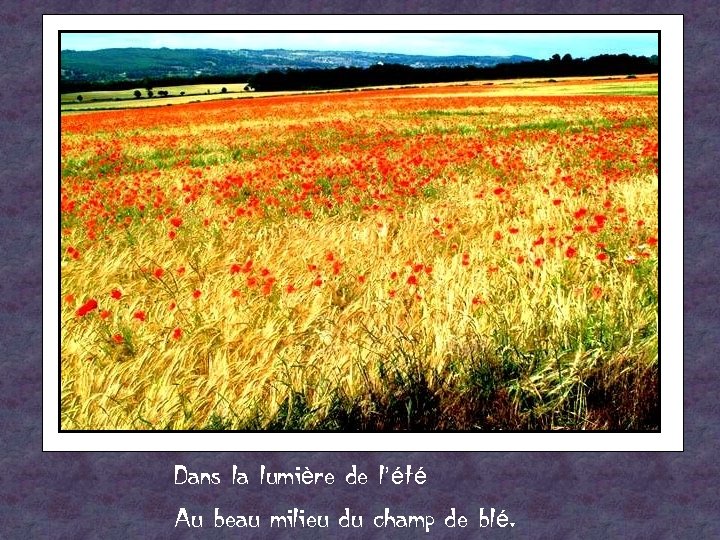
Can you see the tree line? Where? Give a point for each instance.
(391, 74)
(397, 74)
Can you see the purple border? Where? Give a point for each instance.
(549, 495)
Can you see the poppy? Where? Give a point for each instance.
(87, 307)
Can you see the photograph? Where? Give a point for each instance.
(359, 232)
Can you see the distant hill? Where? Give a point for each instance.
(136, 64)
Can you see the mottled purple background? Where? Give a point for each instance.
(549, 495)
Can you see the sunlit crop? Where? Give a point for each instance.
(419, 259)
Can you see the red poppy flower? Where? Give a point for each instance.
(601, 256)
(361, 278)
(290, 288)
(412, 280)
(158, 273)
(196, 293)
(117, 338)
(104, 314)
(570, 252)
(600, 220)
(177, 333)
(176, 221)
(235, 268)
(87, 307)
(596, 292)
(116, 294)
(139, 315)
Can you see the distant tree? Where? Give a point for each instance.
(224, 90)
(567, 58)
(182, 93)
(137, 94)
(150, 93)
(555, 57)
(79, 98)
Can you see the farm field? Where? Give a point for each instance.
(107, 99)
(448, 258)
(125, 99)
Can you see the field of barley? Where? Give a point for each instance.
(449, 258)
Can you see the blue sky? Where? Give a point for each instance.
(536, 45)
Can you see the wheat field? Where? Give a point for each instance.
(448, 258)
